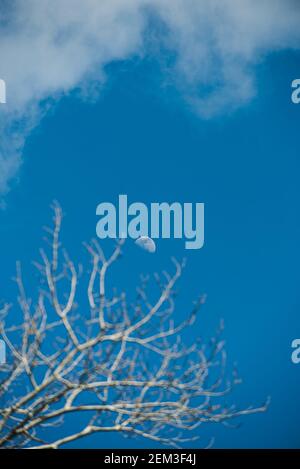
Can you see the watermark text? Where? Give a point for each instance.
(160, 220)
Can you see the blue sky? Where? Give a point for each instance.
(141, 136)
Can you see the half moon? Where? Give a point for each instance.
(146, 243)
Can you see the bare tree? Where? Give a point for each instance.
(124, 366)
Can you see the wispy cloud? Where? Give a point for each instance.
(49, 47)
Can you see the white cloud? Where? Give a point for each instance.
(48, 47)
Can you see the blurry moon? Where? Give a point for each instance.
(146, 243)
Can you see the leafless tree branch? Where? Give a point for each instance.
(126, 366)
